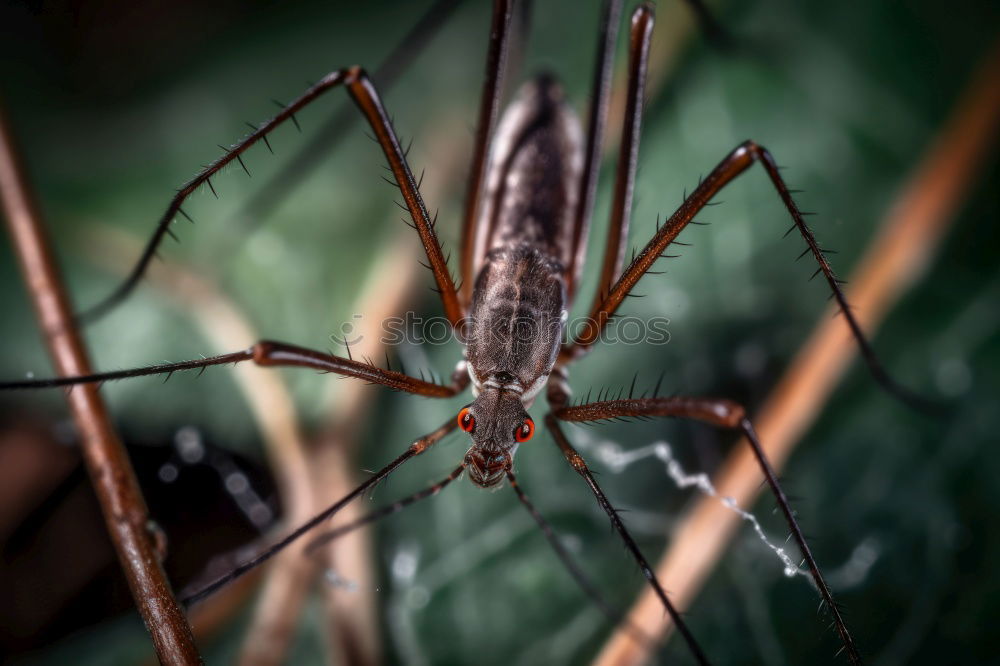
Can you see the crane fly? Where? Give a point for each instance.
(525, 232)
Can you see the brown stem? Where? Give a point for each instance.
(909, 233)
(110, 471)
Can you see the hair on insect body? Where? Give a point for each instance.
(522, 260)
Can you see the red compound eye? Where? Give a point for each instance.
(465, 420)
(524, 431)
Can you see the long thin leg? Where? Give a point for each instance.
(262, 202)
(615, 615)
(415, 449)
(383, 512)
(580, 466)
(578, 575)
(738, 161)
(366, 98)
(489, 108)
(270, 353)
(640, 36)
(621, 208)
(599, 98)
(587, 585)
(725, 414)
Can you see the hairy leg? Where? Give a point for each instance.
(734, 164)
(269, 353)
(367, 99)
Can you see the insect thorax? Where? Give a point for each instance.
(516, 320)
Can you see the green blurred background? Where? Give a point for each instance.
(116, 106)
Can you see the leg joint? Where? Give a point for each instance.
(354, 73)
(263, 352)
(727, 413)
(578, 463)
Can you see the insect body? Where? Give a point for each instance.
(524, 236)
(519, 302)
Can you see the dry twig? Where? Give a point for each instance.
(107, 463)
(227, 328)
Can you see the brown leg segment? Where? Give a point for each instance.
(599, 99)
(738, 161)
(270, 353)
(365, 96)
(580, 466)
(621, 208)
(489, 109)
(725, 414)
(640, 35)
(264, 201)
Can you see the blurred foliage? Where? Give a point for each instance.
(115, 108)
